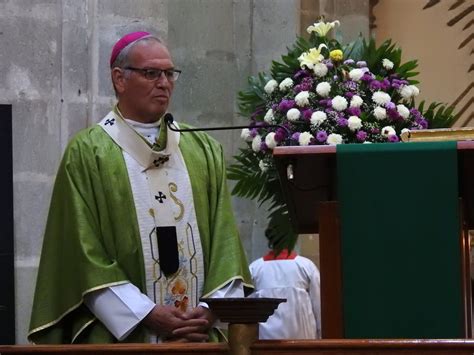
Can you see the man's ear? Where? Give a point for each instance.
(118, 79)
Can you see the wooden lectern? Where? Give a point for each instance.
(308, 178)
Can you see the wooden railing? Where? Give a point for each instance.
(122, 349)
(366, 346)
(290, 347)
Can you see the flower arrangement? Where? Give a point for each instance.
(325, 93)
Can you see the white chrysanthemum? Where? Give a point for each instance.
(320, 70)
(334, 139)
(387, 63)
(380, 113)
(245, 135)
(270, 86)
(354, 123)
(323, 89)
(408, 91)
(403, 111)
(405, 130)
(269, 116)
(286, 84)
(367, 142)
(305, 138)
(293, 114)
(318, 117)
(356, 101)
(302, 99)
(263, 167)
(356, 74)
(415, 90)
(388, 131)
(270, 140)
(256, 142)
(381, 98)
(339, 103)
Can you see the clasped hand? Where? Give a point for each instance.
(171, 323)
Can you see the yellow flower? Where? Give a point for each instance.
(322, 28)
(312, 57)
(336, 55)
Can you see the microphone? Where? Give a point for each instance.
(169, 122)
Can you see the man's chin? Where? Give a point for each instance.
(159, 110)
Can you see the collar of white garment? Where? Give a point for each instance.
(136, 145)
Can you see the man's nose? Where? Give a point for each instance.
(162, 80)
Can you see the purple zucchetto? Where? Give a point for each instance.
(125, 41)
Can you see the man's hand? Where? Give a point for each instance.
(164, 320)
(193, 332)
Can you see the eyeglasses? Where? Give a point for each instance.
(155, 74)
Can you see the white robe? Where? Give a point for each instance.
(297, 280)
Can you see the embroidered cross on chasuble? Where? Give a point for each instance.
(166, 217)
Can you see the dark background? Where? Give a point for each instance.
(7, 295)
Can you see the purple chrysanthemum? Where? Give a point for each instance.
(342, 122)
(296, 136)
(301, 74)
(393, 114)
(367, 77)
(297, 89)
(385, 84)
(415, 113)
(361, 136)
(390, 106)
(375, 85)
(350, 85)
(423, 123)
(328, 63)
(395, 84)
(280, 135)
(307, 114)
(285, 105)
(349, 61)
(325, 102)
(321, 136)
(393, 138)
(354, 111)
(361, 64)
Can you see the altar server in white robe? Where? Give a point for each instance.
(296, 278)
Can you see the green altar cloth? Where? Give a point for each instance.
(400, 227)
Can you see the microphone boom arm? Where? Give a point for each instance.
(169, 122)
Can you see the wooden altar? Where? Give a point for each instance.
(308, 176)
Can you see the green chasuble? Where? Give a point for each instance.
(92, 238)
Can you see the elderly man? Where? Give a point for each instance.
(140, 224)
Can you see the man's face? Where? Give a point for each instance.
(142, 99)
